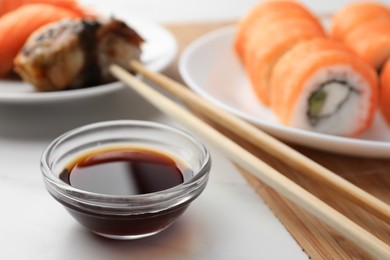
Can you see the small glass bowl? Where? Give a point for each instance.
(130, 216)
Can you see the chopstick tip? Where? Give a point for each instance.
(134, 64)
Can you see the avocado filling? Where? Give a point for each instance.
(328, 99)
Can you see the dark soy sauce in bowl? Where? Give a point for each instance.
(125, 179)
(125, 172)
(128, 171)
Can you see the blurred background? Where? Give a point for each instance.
(156, 10)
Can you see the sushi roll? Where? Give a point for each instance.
(371, 42)
(77, 53)
(264, 51)
(365, 28)
(16, 27)
(266, 12)
(259, 42)
(322, 86)
(354, 15)
(384, 96)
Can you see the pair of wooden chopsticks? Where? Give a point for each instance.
(258, 168)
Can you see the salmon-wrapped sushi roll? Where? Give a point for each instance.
(271, 26)
(365, 28)
(265, 13)
(371, 42)
(321, 86)
(384, 96)
(266, 33)
(354, 15)
(264, 50)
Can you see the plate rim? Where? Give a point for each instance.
(372, 148)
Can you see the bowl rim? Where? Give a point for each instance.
(87, 197)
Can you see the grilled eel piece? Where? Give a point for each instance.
(76, 53)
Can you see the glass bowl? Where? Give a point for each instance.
(126, 216)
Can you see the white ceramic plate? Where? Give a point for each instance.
(158, 52)
(210, 67)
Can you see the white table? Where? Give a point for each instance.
(228, 221)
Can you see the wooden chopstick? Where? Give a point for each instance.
(271, 145)
(258, 168)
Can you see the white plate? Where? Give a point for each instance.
(158, 52)
(210, 67)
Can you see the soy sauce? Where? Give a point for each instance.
(125, 171)
(129, 171)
